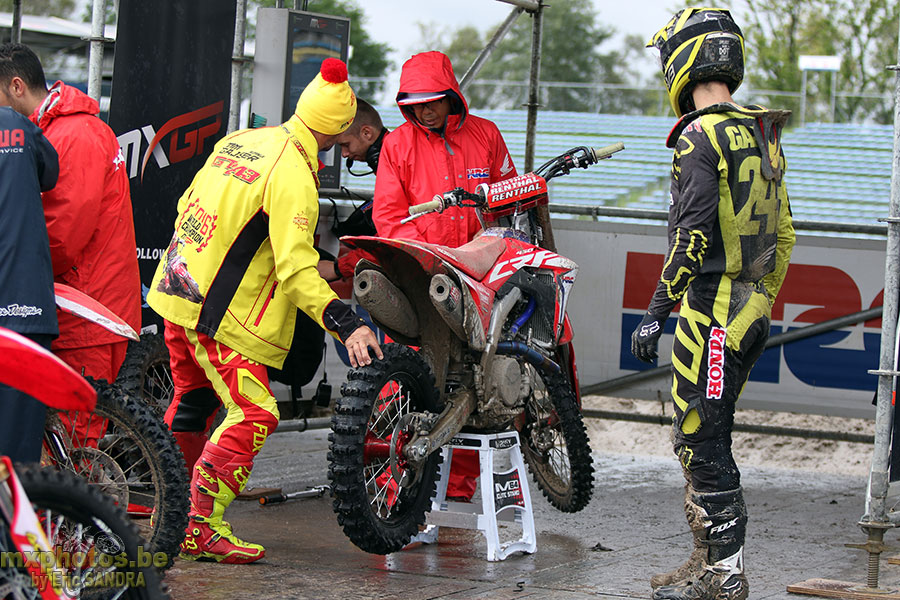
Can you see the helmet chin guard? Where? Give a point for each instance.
(697, 45)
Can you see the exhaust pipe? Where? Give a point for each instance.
(385, 302)
(448, 301)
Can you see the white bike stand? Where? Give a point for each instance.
(504, 496)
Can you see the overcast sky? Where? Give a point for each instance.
(394, 21)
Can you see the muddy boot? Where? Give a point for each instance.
(721, 574)
(695, 516)
(218, 477)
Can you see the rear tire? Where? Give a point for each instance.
(146, 374)
(376, 512)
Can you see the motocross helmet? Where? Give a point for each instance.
(696, 45)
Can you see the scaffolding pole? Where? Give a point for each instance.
(534, 83)
(237, 66)
(95, 63)
(16, 31)
(876, 511)
(489, 48)
(876, 519)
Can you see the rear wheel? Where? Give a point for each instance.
(555, 443)
(145, 373)
(129, 454)
(380, 499)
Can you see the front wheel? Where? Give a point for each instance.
(380, 499)
(96, 545)
(555, 443)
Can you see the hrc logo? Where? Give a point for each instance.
(478, 173)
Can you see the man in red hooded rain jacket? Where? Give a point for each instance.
(441, 146)
(88, 213)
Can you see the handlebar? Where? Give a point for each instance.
(437, 204)
(457, 197)
(580, 157)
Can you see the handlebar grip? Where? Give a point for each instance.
(607, 151)
(429, 206)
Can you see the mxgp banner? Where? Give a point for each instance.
(169, 106)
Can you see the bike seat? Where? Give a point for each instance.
(477, 257)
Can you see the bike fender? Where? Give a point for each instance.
(383, 249)
(567, 333)
(77, 303)
(34, 370)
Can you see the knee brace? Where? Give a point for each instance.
(194, 409)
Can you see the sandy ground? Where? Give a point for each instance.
(750, 449)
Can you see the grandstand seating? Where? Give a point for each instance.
(836, 172)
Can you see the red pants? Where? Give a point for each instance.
(100, 362)
(242, 385)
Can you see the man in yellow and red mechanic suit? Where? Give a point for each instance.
(240, 263)
(440, 147)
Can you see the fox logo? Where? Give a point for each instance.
(649, 329)
(723, 526)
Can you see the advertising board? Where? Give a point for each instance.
(619, 265)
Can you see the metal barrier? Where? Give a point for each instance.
(617, 212)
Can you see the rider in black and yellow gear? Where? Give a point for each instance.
(730, 240)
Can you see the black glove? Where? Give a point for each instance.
(645, 338)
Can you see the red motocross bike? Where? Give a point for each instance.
(494, 352)
(60, 538)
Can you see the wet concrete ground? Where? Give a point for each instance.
(634, 527)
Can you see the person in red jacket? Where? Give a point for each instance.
(88, 213)
(441, 146)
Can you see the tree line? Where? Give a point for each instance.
(577, 50)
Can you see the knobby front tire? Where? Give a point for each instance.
(377, 513)
(76, 517)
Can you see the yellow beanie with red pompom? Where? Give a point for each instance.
(328, 104)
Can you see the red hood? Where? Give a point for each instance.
(432, 72)
(63, 100)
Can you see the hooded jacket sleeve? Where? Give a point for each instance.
(502, 166)
(692, 217)
(391, 203)
(72, 208)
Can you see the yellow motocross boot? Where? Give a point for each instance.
(218, 477)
